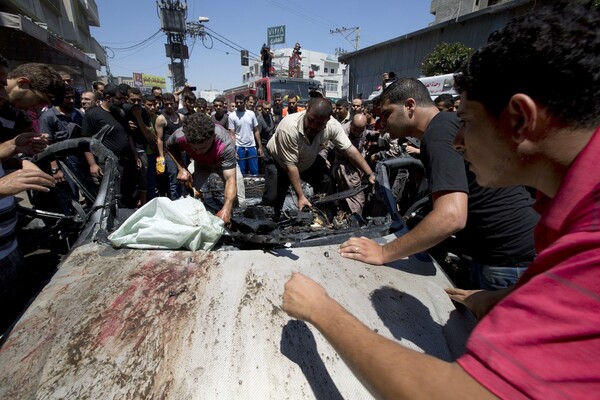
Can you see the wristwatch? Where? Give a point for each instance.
(54, 170)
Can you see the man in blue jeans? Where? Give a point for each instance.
(243, 128)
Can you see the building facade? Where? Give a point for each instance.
(445, 10)
(54, 32)
(315, 65)
(405, 54)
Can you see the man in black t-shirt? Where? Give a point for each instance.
(494, 227)
(118, 140)
(219, 115)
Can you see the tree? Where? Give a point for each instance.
(446, 58)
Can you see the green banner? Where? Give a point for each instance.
(276, 35)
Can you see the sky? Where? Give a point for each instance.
(124, 24)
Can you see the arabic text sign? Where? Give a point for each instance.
(276, 35)
(152, 80)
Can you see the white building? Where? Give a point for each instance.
(209, 94)
(323, 67)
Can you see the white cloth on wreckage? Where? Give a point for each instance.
(166, 224)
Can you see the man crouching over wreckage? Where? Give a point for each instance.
(295, 148)
(210, 147)
(542, 340)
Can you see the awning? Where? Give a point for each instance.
(23, 40)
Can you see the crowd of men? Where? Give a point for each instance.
(534, 282)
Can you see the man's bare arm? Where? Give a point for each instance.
(146, 130)
(480, 302)
(159, 126)
(387, 369)
(358, 160)
(232, 136)
(258, 141)
(230, 177)
(294, 176)
(449, 215)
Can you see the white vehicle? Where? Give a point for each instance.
(441, 84)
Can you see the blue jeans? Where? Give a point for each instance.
(496, 276)
(175, 188)
(248, 165)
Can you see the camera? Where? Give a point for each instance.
(192, 88)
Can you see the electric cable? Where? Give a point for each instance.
(137, 44)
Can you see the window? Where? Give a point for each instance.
(325, 70)
(332, 71)
(330, 86)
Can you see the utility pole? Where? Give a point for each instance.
(172, 22)
(340, 52)
(109, 77)
(355, 31)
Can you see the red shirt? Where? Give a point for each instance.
(543, 340)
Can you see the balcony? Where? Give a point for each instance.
(91, 9)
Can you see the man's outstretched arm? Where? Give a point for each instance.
(449, 215)
(387, 369)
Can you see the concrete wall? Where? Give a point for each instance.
(445, 10)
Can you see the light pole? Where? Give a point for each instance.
(172, 21)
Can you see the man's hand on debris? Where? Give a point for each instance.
(362, 249)
(95, 170)
(225, 215)
(183, 175)
(480, 302)
(302, 297)
(372, 178)
(303, 202)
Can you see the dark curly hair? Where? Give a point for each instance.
(551, 54)
(198, 128)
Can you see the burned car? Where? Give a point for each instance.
(129, 324)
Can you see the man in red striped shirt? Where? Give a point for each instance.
(539, 126)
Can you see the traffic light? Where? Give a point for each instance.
(244, 54)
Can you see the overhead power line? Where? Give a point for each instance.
(141, 43)
(229, 43)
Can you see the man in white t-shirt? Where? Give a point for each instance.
(243, 128)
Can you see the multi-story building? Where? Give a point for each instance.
(315, 65)
(54, 32)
